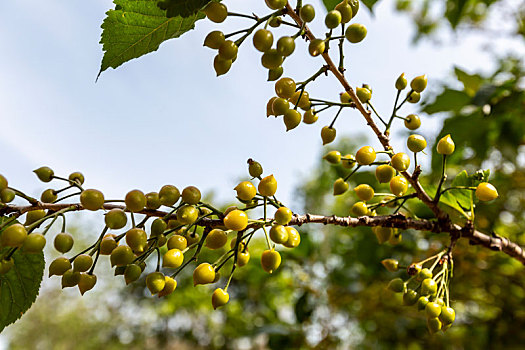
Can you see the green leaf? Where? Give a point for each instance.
(463, 197)
(139, 27)
(447, 199)
(19, 287)
(471, 82)
(449, 100)
(183, 8)
(330, 4)
(369, 3)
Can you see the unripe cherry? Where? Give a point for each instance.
(398, 185)
(137, 240)
(6, 265)
(263, 40)
(278, 234)
(34, 243)
(285, 46)
(346, 11)
(169, 286)
(254, 168)
(13, 236)
(173, 258)
(107, 244)
(121, 256)
(228, 50)
(45, 174)
(340, 186)
(34, 215)
(294, 238)
(271, 59)
(82, 263)
(307, 13)
(214, 39)
(216, 239)
(414, 97)
(316, 47)
(169, 195)
(366, 155)
(363, 94)
(391, 265)
(245, 190)
(303, 102)
(446, 145)
(187, 214)
(292, 119)
(333, 19)
(275, 4)
(236, 220)
(3, 182)
(360, 209)
(92, 199)
(280, 106)
(412, 122)
(385, 173)
(285, 87)
(203, 274)
(86, 282)
(132, 273)
(155, 282)
(383, 234)
(418, 84)
(219, 298)
(177, 242)
(270, 260)
(396, 285)
(48, 196)
(401, 82)
(283, 216)
(158, 226)
(416, 143)
(310, 117)
(7, 195)
(355, 33)
(59, 266)
(364, 192)
(486, 192)
(333, 157)
(400, 161)
(328, 134)
(70, 278)
(116, 219)
(153, 201)
(216, 12)
(268, 186)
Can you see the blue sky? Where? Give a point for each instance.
(166, 118)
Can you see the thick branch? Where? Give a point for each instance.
(493, 242)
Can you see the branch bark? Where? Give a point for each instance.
(400, 221)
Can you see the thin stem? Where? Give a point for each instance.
(335, 118)
(389, 124)
(375, 112)
(443, 178)
(234, 14)
(352, 173)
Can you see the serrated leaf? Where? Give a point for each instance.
(183, 8)
(19, 287)
(139, 27)
(449, 100)
(463, 197)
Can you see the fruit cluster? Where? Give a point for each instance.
(190, 224)
(427, 289)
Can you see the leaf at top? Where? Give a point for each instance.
(19, 287)
(183, 8)
(449, 100)
(463, 197)
(138, 27)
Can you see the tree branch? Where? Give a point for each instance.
(400, 221)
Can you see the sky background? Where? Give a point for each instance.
(165, 117)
